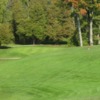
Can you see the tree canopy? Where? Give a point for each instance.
(71, 22)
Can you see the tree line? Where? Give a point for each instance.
(71, 22)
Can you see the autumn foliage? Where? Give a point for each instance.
(83, 11)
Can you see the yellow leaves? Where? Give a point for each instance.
(98, 5)
(54, 1)
(83, 2)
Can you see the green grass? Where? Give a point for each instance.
(50, 73)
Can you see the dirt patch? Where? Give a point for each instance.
(11, 58)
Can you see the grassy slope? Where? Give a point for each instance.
(50, 73)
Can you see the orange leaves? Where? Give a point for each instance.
(78, 6)
(75, 3)
(83, 11)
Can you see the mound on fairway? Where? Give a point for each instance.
(50, 73)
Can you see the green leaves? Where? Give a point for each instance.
(47, 20)
(5, 33)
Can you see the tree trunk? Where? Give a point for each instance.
(79, 31)
(91, 32)
(98, 36)
(34, 41)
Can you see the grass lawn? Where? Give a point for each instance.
(50, 73)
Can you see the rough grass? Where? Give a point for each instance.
(50, 73)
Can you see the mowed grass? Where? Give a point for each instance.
(50, 73)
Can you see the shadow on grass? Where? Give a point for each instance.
(4, 47)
